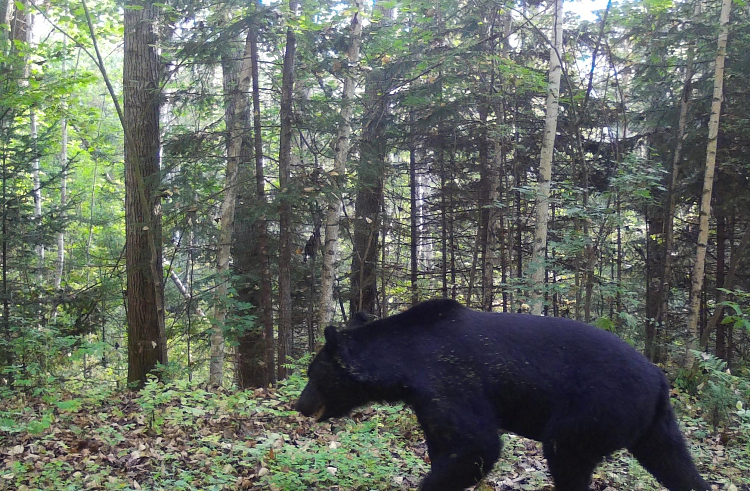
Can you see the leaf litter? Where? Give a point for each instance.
(182, 437)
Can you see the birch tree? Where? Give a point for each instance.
(545, 163)
(333, 208)
(236, 84)
(708, 182)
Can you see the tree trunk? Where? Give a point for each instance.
(63, 194)
(413, 216)
(145, 294)
(662, 295)
(266, 301)
(370, 177)
(63, 200)
(256, 348)
(12, 67)
(36, 182)
(236, 82)
(708, 181)
(285, 206)
(487, 211)
(331, 247)
(721, 256)
(545, 165)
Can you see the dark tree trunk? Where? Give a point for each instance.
(721, 238)
(654, 262)
(414, 229)
(249, 248)
(370, 176)
(266, 302)
(285, 205)
(145, 294)
(247, 269)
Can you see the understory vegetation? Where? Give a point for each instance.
(177, 436)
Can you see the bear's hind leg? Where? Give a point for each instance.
(662, 451)
(570, 468)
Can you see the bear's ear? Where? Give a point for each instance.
(331, 338)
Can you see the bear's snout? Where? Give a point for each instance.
(310, 403)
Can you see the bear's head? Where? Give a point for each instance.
(332, 389)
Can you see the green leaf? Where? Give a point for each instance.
(73, 405)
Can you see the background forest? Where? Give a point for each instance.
(193, 190)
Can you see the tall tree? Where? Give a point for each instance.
(63, 194)
(256, 350)
(708, 182)
(661, 301)
(331, 248)
(369, 187)
(237, 73)
(285, 205)
(266, 304)
(545, 164)
(35, 163)
(145, 293)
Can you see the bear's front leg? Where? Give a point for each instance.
(456, 471)
(463, 444)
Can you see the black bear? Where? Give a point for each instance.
(581, 391)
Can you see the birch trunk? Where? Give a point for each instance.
(35, 164)
(708, 181)
(545, 164)
(63, 197)
(236, 87)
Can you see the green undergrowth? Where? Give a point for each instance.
(179, 436)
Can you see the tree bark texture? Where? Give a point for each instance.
(545, 165)
(145, 293)
(370, 178)
(266, 301)
(285, 205)
(413, 218)
(487, 215)
(237, 76)
(331, 246)
(60, 266)
(708, 181)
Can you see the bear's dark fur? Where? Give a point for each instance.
(579, 390)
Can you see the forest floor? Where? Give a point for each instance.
(181, 437)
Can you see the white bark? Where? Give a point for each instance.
(237, 100)
(36, 181)
(333, 210)
(545, 164)
(63, 198)
(708, 182)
